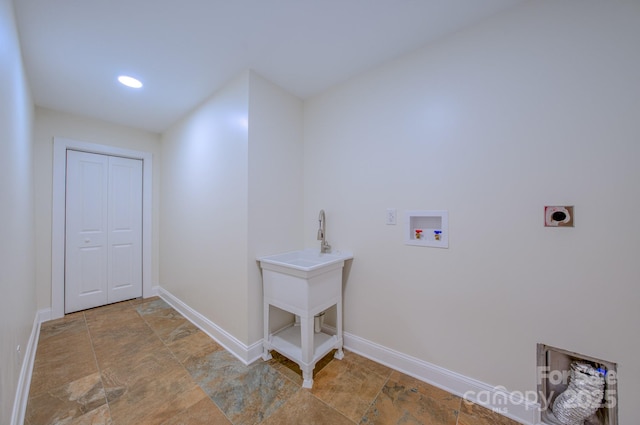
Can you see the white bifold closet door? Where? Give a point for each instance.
(103, 249)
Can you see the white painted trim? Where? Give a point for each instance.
(60, 146)
(245, 353)
(44, 315)
(510, 404)
(26, 371)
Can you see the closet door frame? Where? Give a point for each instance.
(60, 147)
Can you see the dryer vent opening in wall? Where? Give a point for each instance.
(556, 370)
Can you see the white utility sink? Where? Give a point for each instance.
(304, 283)
(306, 260)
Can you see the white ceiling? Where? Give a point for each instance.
(184, 50)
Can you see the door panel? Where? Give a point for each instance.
(103, 256)
(125, 228)
(86, 231)
(91, 280)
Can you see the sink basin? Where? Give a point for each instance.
(306, 260)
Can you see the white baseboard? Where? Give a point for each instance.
(155, 292)
(26, 371)
(513, 405)
(45, 315)
(510, 404)
(245, 353)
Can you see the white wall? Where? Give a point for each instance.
(275, 187)
(538, 106)
(231, 191)
(204, 209)
(17, 238)
(49, 124)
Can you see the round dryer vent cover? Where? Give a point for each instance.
(559, 216)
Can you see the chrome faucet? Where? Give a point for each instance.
(324, 246)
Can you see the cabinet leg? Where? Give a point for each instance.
(266, 355)
(339, 354)
(306, 329)
(307, 376)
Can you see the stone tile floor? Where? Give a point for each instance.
(141, 362)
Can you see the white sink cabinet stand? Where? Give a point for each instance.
(305, 289)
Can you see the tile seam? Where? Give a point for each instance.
(95, 359)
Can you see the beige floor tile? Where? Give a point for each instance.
(151, 397)
(170, 326)
(408, 400)
(304, 408)
(99, 416)
(193, 347)
(350, 385)
(144, 368)
(127, 351)
(68, 403)
(204, 412)
(113, 319)
(63, 327)
(55, 363)
(109, 311)
(121, 340)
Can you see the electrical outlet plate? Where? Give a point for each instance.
(558, 216)
(392, 215)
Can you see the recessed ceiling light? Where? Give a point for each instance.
(130, 81)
